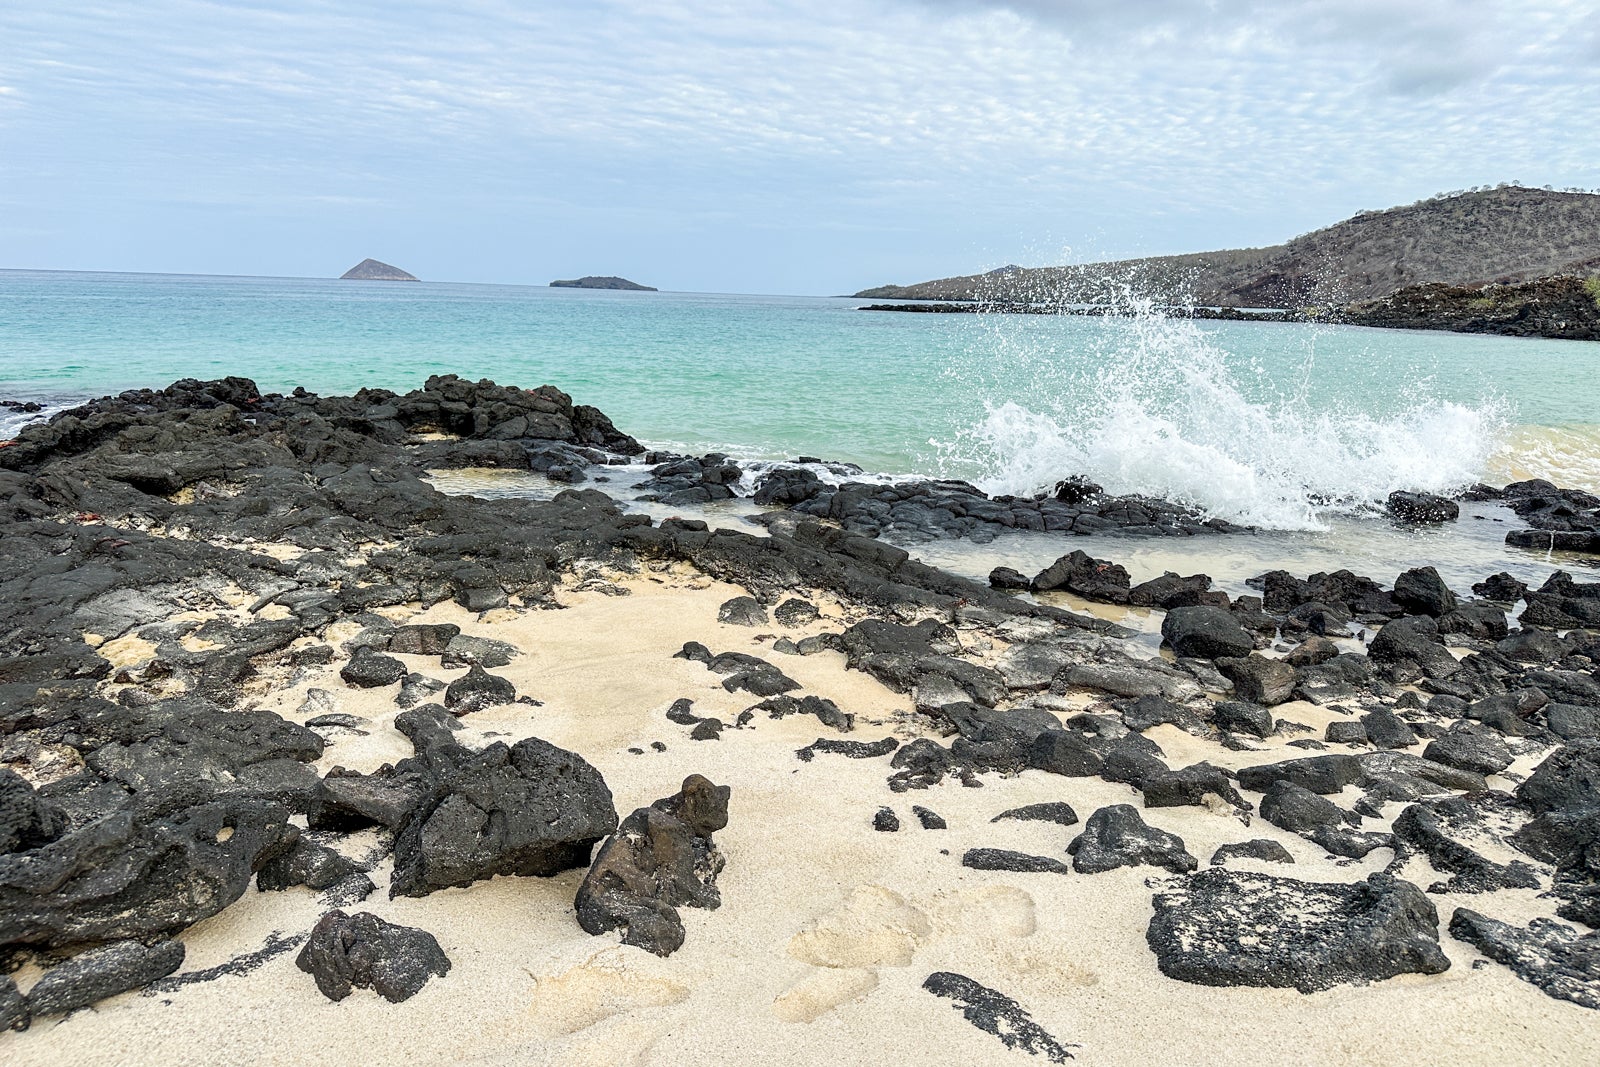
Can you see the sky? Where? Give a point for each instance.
(771, 146)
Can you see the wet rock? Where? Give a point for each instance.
(1502, 588)
(361, 951)
(743, 611)
(1242, 716)
(476, 690)
(661, 858)
(1003, 859)
(1547, 954)
(1259, 679)
(1422, 507)
(997, 1014)
(1176, 591)
(1056, 811)
(529, 809)
(1259, 848)
(1006, 578)
(886, 821)
(796, 612)
(1206, 632)
(368, 669)
(1235, 928)
(848, 749)
(1082, 575)
(1115, 836)
(1422, 592)
(1445, 830)
(100, 973)
(1470, 746)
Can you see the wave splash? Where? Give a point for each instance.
(1156, 409)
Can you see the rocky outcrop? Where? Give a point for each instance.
(608, 281)
(1566, 307)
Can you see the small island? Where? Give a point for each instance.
(371, 270)
(607, 282)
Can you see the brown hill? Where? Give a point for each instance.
(1507, 234)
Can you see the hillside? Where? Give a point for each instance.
(1507, 234)
(371, 270)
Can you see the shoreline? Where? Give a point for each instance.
(219, 597)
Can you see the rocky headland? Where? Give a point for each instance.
(289, 732)
(602, 282)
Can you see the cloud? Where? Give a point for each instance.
(933, 127)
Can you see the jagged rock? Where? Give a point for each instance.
(476, 690)
(1082, 575)
(1205, 632)
(1470, 746)
(1547, 954)
(1568, 779)
(886, 821)
(1056, 811)
(361, 951)
(1345, 733)
(796, 612)
(1571, 722)
(1385, 729)
(100, 973)
(14, 1014)
(1259, 679)
(429, 639)
(997, 1014)
(307, 863)
(1509, 712)
(1319, 774)
(1422, 507)
(1173, 590)
(368, 669)
(27, 820)
(1006, 578)
(485, 652)
(825, 710)
(1502, 588)
(1229, 928)
(743, 611)
(1004, 859)
(418, 689)
(1414, 640)
(1115, 836)
(1190, 786)
(1243, 717)
(1422, 592)
(1259, 848)
(1298, 810)
(529, 809)
(140, 872)
(930, 820)
(1445, 829)
(660, 858)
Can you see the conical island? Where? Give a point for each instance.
(370, 270)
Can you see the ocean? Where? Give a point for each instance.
(1288, 427)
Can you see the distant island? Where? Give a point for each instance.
(1486, 236)
(608, 282)
(370, 270)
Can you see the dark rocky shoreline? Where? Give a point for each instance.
(136, 801)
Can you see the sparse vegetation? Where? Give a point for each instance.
(1508, 233)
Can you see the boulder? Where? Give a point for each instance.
(1422, 592)
(368, 669)
(1319, 774)
(1259, 679)
(661, 858)
(1115, 836)
(1205, 632)
(476, 690)
(362, 951)
(1470, 746)
(1422, 507)
(1082, 575)
(1240, 716)
(1235, 928)
(743, 611)
(527, 809)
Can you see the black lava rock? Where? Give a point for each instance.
(1056, 811)
(361, 951)
(1259, 848)
(997, 1014)
(1115, 836)
(1205, 632)
(100, 973)
(476, 690)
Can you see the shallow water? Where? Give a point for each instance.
(1282, 426)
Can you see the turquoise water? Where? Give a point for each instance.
(1273, 423)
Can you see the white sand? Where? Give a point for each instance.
(827, 928)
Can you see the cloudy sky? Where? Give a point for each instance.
(758, 145)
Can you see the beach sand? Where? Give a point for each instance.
(828, 928)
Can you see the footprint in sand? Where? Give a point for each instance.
(823, 990)
(876, 927)
(594, 991)
(993, 911)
